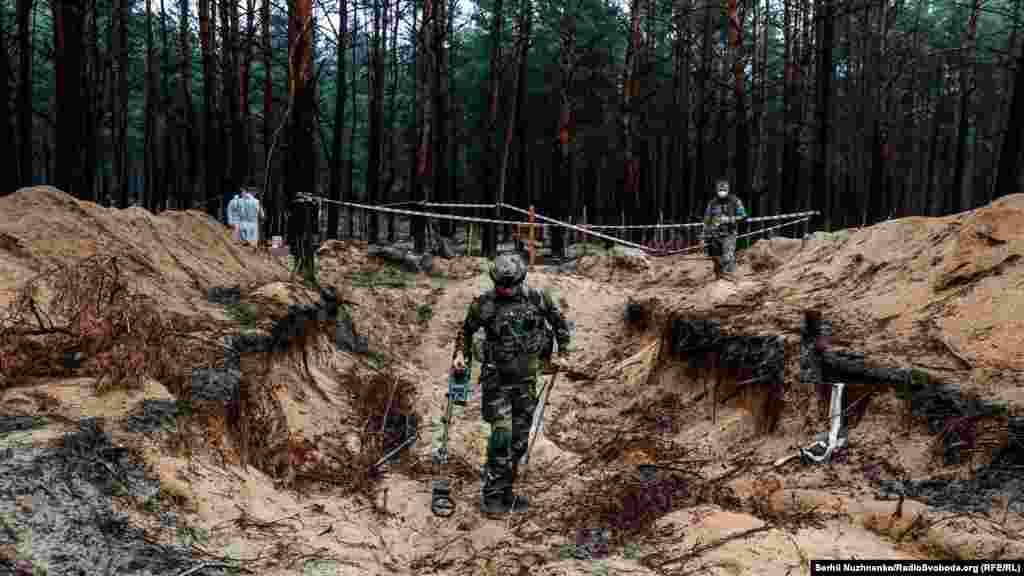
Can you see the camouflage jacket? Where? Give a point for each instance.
(724, 214)
(528, 308)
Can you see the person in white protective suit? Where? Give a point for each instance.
(233, 210)
(249, 217)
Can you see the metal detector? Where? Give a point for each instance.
(441, 502)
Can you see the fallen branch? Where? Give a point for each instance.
(205, 565)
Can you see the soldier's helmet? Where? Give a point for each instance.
(508, 270)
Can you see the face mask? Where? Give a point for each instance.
(506, 292)
(722, 193)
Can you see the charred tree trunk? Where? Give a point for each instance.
(337, 163)
(70, 118)
(24, 106)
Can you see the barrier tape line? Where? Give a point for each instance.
(389, 207)
(455, 205)
(315, 199)
(577, 228)
(697, 224)
(762, 230)
(320, 200)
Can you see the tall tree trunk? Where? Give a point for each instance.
(524, 196)
(1009, 168)
(150, 137)
(556, 204)
(245, 56)
(376, 111)
(229, 88)
(239, 163)
(8, 177)
(119, 112)
(426, 60)
(451, 112)
(24, 107)
(821, 172)
(631, 85)
(490, 164)
(393, 128)
(965, 122)
(522, 42)
(355, 122)
(70, 119)
(440, 96)
(700, 182)
(92, 107)
(337, 163)
(268, 110)
(742, 138)
(186, 145)
(300, 175)
(211, 145)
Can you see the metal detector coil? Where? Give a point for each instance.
(458, 386)
(441, 503)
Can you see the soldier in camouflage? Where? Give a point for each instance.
(814, 340)
(720, 219)
(514, 317)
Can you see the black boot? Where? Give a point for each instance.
(494, 503)
(516, 502)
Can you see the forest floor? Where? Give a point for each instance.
(126, 470)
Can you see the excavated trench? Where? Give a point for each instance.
(747, 371)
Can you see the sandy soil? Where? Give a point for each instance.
(741, 514)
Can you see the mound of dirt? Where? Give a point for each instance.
(174, 256)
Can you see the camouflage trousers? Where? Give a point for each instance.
(722, 250)
(508, 407)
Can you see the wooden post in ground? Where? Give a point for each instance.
(533, 248)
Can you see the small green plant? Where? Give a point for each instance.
(631, 551)
(243, 313)
(601, 569)
(117, 489)
(566, 551)
(189, 535)
(375, 358)
(152, 504)
(306, 267)
(384, 277)
(424, 312)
